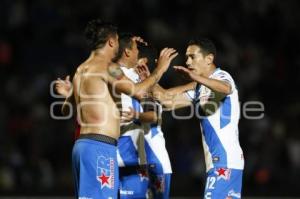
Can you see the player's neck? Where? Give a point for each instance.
(210, 70)
(102, 53)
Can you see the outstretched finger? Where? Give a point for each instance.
(162, 52)
(181, 69)
(144, 68)
(138, 69)
(58, 82)
(170, 52)
(178, 67)
(125, 120)
(173, 55)
(125, 113)
(167, 52)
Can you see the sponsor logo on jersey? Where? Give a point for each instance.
(126, 192)
(215, 159)
(234, 194)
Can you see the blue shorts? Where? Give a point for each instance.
(222, 183)
(159, 163)
(134, 179)
(95, 169)
(134, 182)
(160, 185)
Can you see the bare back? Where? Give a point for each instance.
(96, 108)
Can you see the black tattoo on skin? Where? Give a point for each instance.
(115, 72)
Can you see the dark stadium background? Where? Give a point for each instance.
(257, 42)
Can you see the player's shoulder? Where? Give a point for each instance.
(220, 72)
(91, 70)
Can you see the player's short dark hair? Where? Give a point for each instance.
(206, 46)
(98, 32)
(125, 41)
(148, 52)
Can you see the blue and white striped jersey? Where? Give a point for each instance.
(219, 124)
(131, 149)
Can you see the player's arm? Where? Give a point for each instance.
(151, 111)
(67, 105)
(173, 98)
(122, 84)
(144, 117)
(148, 117)
(172, 92)
(150, 114)
(218, 86)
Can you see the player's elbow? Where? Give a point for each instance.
(226, 89)
(149, 117)
(140, 94)
(168, 106)
(154, 118)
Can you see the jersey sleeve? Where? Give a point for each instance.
(226, 77)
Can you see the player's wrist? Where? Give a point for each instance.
(136, 117)
(69, 93)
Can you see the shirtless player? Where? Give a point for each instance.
(95, 85)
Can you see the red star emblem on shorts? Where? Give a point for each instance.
(158, 185)
(221, 172)
(103, 179)
(143, 174)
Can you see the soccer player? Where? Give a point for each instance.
(215, 99)
(95, 83)
(158, 160)
(134, 180)
(157, 156)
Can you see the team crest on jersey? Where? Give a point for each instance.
(223, 173)
(105, 172)
(204, 95)
(216, 159)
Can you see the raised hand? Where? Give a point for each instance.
(140, 40)
(128, 116)
(64, 87)
(142, 71)
(186, 72)
(165, 57)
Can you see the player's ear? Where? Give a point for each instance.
(127, 52)
(111, 42)
(209, 58)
